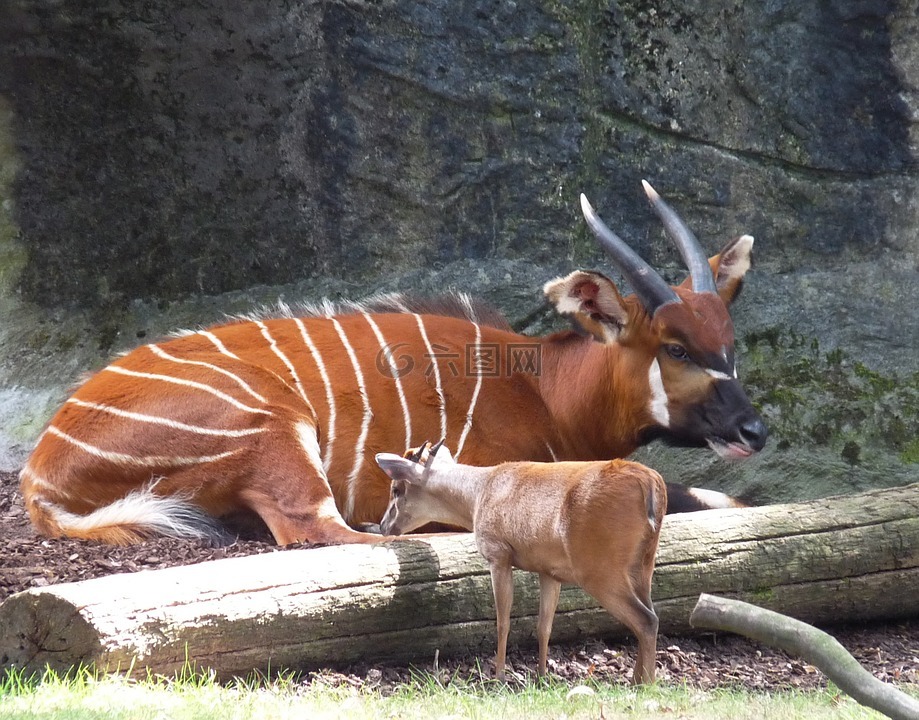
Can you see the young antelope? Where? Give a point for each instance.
(593, 524)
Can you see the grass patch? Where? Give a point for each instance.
(199, 696)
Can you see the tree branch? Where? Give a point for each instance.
(814, 646)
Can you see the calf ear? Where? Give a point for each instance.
(729, 267)
(443, 455)
(398, 468)
(590, 299)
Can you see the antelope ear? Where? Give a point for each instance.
(443, 455)
(592, 300)
(398, 468)
(729, 267)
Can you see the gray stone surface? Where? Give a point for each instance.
(163, 166)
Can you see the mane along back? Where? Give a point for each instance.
(451, 304)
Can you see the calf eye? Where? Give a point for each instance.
(677, 352)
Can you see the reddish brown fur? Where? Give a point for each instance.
(593, 524)
(577, 400)
(589, 401)
(268, 472)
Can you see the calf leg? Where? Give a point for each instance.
(620, 600)
(641, 573)
(502, 585)
(646, 632)
(549, 589)
(642, 621)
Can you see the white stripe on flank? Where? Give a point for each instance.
(158, 351)
(218, 343)
(394, 371)
(284, 359)
(306, 434)
(187, 383)
(27, 473)
(551, 452)
(659, 400)
(166, 422)
(365, 423)
(139, 460)
(329, 395)
(475, 393)
(437, 384)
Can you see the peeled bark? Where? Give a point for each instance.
(807, 642)
(841, 559)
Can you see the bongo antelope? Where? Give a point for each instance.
(282, 415)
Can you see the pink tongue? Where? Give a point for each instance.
(738, 451)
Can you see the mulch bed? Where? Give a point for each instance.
(890, 651)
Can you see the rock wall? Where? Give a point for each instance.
(160, 167)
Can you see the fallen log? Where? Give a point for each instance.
(842, 559)
(805, 641)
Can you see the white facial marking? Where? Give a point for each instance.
(659, 400)
(717, 374)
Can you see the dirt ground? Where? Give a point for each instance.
(890, 652)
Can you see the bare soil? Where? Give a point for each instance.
(889, 651)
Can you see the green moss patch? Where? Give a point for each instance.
(808, 396)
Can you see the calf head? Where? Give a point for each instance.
(411, 502)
